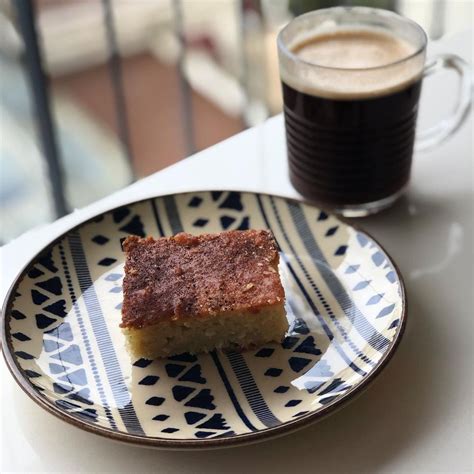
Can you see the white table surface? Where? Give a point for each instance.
(417, 416)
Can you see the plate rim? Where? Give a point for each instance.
(191, 444)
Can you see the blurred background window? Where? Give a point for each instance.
(135, 86)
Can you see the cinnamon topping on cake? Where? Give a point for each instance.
(188, 276)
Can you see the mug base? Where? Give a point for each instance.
(369, 208)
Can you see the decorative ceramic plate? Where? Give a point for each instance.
(344, 299)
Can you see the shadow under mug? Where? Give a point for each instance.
(351, 132)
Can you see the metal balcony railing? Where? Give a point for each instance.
(24, 12)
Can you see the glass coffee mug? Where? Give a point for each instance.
(351, 80)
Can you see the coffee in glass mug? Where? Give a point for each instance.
(351, 80)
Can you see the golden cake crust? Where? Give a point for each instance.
(188, 276)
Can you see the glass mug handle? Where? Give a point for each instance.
(428, 139)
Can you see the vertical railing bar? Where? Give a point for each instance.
(40, 95)
(248, 6)
(185, 90)
(438, 19)
(116, 78)
(243, 80)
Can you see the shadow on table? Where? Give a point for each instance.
(403, 405)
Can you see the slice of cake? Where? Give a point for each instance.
(197, 293)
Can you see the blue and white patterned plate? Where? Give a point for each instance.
(61, 339)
